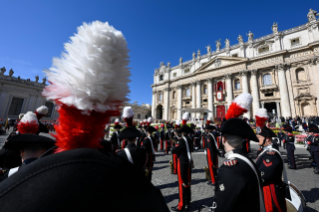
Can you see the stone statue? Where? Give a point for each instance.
(44, 80)
(198, 53)
(18, 77)
(11, 72)
(312, 15)
(28, 80)
(240, 39)
(162, 64)
(156, 71)
(218, 45)
(3, 70)
(168, 64)
(194, 55)
(274, 28)
(250, 36)
(227, 43)
(180, 61)
(208, 49)
(36, 78)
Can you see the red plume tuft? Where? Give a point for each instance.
(260, 121)
(31, 127)
(79, 130)
(234, 111)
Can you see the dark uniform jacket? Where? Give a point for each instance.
(138, 155)
(289, 141)
(91, 181)
(210, 143)
(314, 146)
(237, 187)
(148, 148)
(270, 166)
(180, 149)
(114, 140)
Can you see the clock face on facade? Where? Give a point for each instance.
(219, 96)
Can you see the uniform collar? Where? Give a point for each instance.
(268, 147)
(131, 145)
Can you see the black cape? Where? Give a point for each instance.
(80, 180)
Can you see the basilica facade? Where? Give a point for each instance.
(280, 71)
(19, 95)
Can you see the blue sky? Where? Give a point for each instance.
(34, 31)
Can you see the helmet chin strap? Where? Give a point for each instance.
(263, 142)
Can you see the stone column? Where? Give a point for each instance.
(262, 104)
(193, 98)
(254, 91)
(278, 109)
(229, 90)
(166, 103)
(198, 96)
(284, 98)
(244, 82)
(210, 98)
(179, 102)
(154, 104)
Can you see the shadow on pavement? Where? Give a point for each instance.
(312, 195)
(168, 185)
(160, 167)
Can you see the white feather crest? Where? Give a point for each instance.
(178, 122)
(150, 120)
(186, 116)
(128, 112)
(244, 100)
(117, 120)
(92, 73)
(144, 120)
(43, 110)
(262, 113)
(28, 117)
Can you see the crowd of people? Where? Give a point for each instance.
(82, 169)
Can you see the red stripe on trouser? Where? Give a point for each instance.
(247, 146)
(161, 144)
(166, 146)
(210, 165)
(175, 163)
(218, 142)
(203, 142)
(267, 199)
(123, 144)
(274, 196)
(180, 186)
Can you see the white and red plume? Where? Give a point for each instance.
(149, 121)
(41, 111)
(128, 115)
(185, 118)
(240, 105)
(261, 117)
(117, 121)
(28, 124)
(208, 121)
(88, 83)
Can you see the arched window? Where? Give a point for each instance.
(188, 92)
(160, 96)
(174, 94)
(205, 89)
(267, 79)
(301, 75)
(237, 84)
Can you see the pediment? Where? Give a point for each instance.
(220, 61)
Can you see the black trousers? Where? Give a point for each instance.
(291, 157)
(316, 158)
(184, 183)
